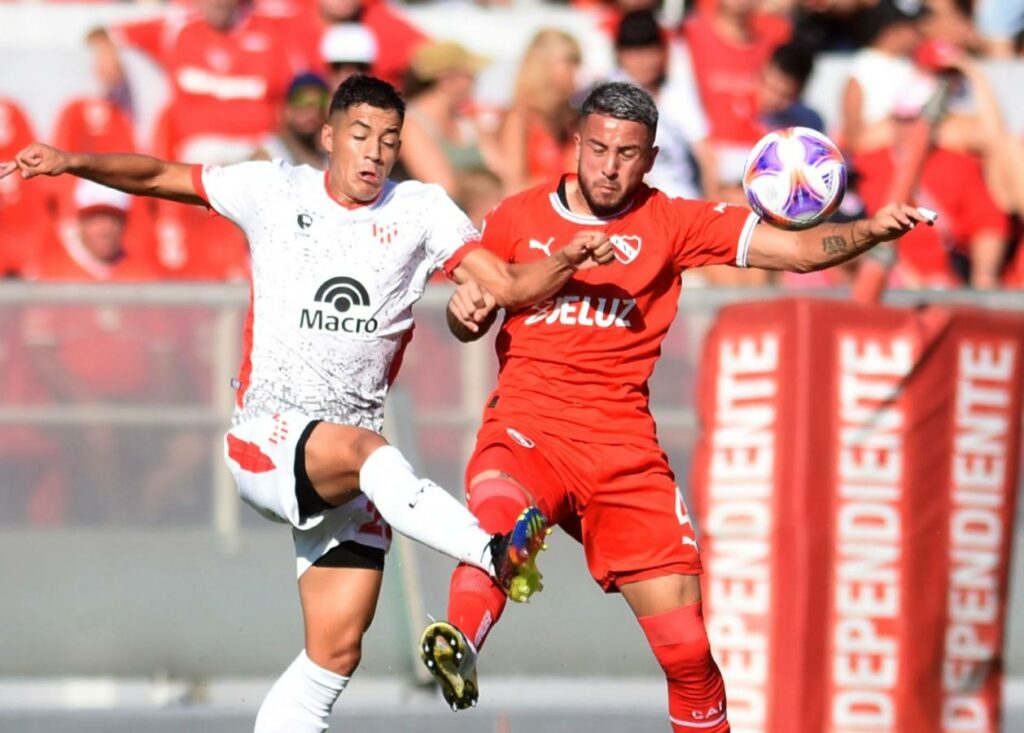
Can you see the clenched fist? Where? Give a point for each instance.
(471, 305)
(588, 249)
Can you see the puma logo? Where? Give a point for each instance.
(544, 247)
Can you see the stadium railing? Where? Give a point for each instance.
(121, 526)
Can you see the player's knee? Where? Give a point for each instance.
(363, 444)
(340, 450)
(340, 655)
(680, 642)
(496, 501)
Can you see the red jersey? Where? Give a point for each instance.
(728, 74)
(105, 351)
(24, 221)
(581, 360)
(94, 125)
(952, 184)
(224, 84)
(396, 37)
(546, 157)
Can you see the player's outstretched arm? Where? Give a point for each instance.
(141, 175)
(516, 286)
(831, 244)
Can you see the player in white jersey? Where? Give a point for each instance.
(338, 259)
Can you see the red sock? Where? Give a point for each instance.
(696, 693)
(475, 602)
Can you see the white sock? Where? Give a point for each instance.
(422, 510)
(301, 699)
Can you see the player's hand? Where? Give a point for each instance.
(587, 249)
(472, 304)
(895, 220)
(37, 160)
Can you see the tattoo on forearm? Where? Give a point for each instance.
(835, 244)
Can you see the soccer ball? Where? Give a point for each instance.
(794, 178)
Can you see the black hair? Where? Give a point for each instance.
(623, 102)
(887, 13)
(363, 89)
(638, 29)
(795, 60)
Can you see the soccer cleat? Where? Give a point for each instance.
(451, 660)
(514, 555)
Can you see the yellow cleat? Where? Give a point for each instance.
(451, 660)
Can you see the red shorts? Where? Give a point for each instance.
(620, 501)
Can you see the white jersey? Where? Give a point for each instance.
(333, 288)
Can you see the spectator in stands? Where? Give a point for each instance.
(304, 114)
(882, 76)
(1000, 23)
(440, 141)
(782, 86)
(967, 243)
(830, 25)
(536, 135)
(33, 483)
(24, 219)
(641, 55)
(347, 49)
(94, 125)
(94, 250)
(395, 37)
(228, 68)
(97, 124)
(950, 21)
(730, 43)
(101, 353)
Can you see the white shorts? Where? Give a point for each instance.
(261, 455)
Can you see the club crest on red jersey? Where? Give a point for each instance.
(627, 248)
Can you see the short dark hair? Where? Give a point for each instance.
(795, 60)
(639, 29)
(622, 101)
(362, 89)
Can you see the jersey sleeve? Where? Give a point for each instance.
(233, 191)
(711, 233)
(496, 234)
(451, 234)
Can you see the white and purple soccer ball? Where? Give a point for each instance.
(794, 178)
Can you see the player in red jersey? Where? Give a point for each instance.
(569, 426)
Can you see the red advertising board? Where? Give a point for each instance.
(854, 486)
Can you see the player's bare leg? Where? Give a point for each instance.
(341, 460)
(669, 611)
(338, 604)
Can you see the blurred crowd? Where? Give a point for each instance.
(252, 79)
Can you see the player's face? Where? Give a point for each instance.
(612, 156)
(363, 144)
